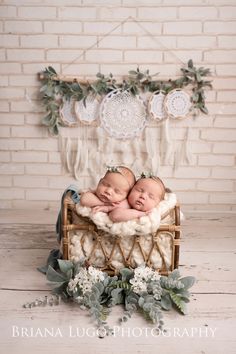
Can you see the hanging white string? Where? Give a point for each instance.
(96, 43)
(107, 34)
(156, 40)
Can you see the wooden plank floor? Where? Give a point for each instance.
(208, 251)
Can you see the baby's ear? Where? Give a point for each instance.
(168, 190)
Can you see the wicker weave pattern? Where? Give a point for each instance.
(109, 251)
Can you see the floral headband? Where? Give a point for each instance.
(129, 176)
(114, 169)
(154, 178)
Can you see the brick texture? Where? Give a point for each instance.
(164, 35)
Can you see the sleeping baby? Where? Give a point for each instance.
(111, 192)
(145, 195)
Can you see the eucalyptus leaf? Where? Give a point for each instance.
(141, 301)
(54, 130)
(54, 276)
(47, 120)
(100, 287)
(204, 109)
(51, 69)
(190, 63)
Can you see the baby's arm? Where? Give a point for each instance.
(120, 214)
(109, 208)
(89, 199)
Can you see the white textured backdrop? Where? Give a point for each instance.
(38, 33)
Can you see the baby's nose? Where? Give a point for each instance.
(108, 191)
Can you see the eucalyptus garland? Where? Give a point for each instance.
(141, 289)
(54, 91)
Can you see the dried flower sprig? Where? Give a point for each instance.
(47, 301)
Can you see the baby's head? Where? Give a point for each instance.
(147, 193)
(115, 185)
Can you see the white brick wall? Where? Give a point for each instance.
(33, 36)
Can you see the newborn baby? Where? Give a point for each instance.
(146, 194)
(111, 191)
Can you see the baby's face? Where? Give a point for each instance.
(113, 187)
(145, 195)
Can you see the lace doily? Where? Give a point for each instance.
(67, 114)
(87, 111)
(122, 115)
(178, 103)
(156, 105)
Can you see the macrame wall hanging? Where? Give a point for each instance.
(105, 122)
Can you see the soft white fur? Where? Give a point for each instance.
(144, 225)
(82, 242)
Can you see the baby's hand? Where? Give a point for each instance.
(115, 203)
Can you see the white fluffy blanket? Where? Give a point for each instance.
(82, 242)
(144, 225)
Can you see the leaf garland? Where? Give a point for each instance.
(54, 91)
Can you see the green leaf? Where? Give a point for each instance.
(179, 302)
(166, 302)
(47, 120)
(65, 265)
(126, 274)
(188, 282)
(175, 274)
(198, 77)
(54, 130)
(190, 63)
(51, 69)
(117, 296)
(204, 109)
(133, 73)
(100, 287)
(53, 276)
(116, 291)
(141, 301)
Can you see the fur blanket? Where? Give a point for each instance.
(82, 242)
(144, 225)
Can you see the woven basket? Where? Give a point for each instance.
(110, 247)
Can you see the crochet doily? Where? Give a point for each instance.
(67, 113)
(87, 111)
(156, 105)
(178, 103)
(122, 114)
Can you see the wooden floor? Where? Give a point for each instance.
(208, 251)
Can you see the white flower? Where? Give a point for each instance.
(85, 279)
(142, 276)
